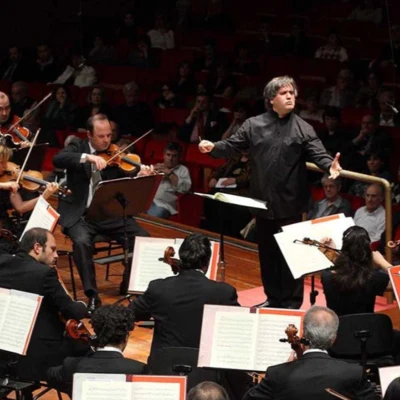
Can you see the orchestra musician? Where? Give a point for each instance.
(309, 376)
(10, 198)
(33, 270)
(84, 170)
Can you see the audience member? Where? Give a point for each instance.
(15, 67)
(161, 36)
(20, 102)
(168, 98)
(77, 73)
(312, 110)
(372, 216)
(134, 117)
(176, 180)
(333, 50)
(297, 44)
(47, 67)
(367, 95)
(207, 391)
(176, 303)
(142, 56)
(309, 376)
(185, 83)
(202, 122)
(241, 111)
(388, 114)
(354, 282)
(208, 59)
(221, 82)
(112, 325)
(342, 94)
(266, 41)
(127, 28)
(333, 203)
(102, 51)
(244, 63)
(97, 104)
(367, 11)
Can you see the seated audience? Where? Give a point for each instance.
(221, 83)
(376, 166)
(297, 43)
(388, 114)
(20, 102)
(203, 122)
(358, 275)
(342, 94)
(366, 11)
(333, 50)
(333, 203)
(372, 216)
(97, 104)
(161, 36)
(241, 111)
(176, 303)
(244, 63)
(32, 270)
(134, 117)
(367, 95)
(310, 375)
(127, 28)
(112, 325)
(168, 98)
(176, 180)
(207, 391)
(77, 73)
(185, 83)
(142, 56)
(102, 52)
(47, 67)
(208, 59)
(15, 66)
(312, 110)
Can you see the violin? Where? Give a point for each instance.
(330, 252)
(30, 180)
(296, 342)
(175, 263)
(115, 157)
(17, 133)
(77, 330)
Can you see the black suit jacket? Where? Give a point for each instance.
(308, 377)
(72, 207)
(177, 303)
(102, 362)
(22, 272)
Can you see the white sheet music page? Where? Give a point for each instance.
(101, 390)
(19, 312)
(43, 216)
(155, 390)
(80, 379)
(272, 324)
(386, 375)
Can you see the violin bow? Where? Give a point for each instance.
(129, 145)
(28, 155)
(336, 394)
(31, 110)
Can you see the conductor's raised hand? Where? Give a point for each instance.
(99, 162)
(205, 146)
(335, 168)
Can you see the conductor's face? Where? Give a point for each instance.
(284, 101)
(100, 139)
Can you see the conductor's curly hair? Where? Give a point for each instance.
(112, 324)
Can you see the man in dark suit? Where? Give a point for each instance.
(32, 270)
(84, 170)
(309, 376)
(112, 325)
(177, 303)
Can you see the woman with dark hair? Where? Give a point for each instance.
(142, 56)
(358, 274)
(393, 390)
(168, 98)
(185, 83)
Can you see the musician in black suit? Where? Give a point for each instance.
(112, 325)
(32, 270)
(309, 376)
(177, 303)
(84, 170)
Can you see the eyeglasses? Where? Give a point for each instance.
(5, 109)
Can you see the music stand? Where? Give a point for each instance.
(120, 198)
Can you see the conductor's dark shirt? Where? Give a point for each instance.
(279, 149)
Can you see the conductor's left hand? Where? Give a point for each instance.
(335, 168)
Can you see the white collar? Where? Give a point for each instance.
(109, 348)
(315, 351)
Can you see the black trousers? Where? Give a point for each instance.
(280, 287)
(82, 235)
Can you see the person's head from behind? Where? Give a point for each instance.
(374, 196)
(112, 325)
(99, 132)
(356, 245)
(207, 391)
(332, 118)
(195, 252)
(281, 93)
(241, 111)
(331, 188)
(5, 156)
(172, 154)
(131, 93)
(19, 91)
(40, 244)
(393, 390)
(369, 124)
(375, 162)
(320, 327)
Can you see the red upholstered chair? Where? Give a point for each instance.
(153, 152)
(317, 193)
(48, 161)
(352, 116)
(36, 90)
(355, 201)
(190, 210)
(174, 115)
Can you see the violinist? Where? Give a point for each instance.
(112, 326)
(32, 270)
(358, 275)
(10, 197)
(85, 168)
(309, 376)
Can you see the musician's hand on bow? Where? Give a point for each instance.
(99, 162)
(205, 146)
(11, 186)
(335, 168)
(146, 170)
(25, 144)
(51, 188)
(328, 242)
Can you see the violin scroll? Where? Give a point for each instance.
(295, 341)
(173, 262)
(77, 330)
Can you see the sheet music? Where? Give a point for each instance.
(394, 275)
(152, 390)
(386, 375)
(80, 379)
(99, 390)
(233, 342)
(43, 216)
(18, 315)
